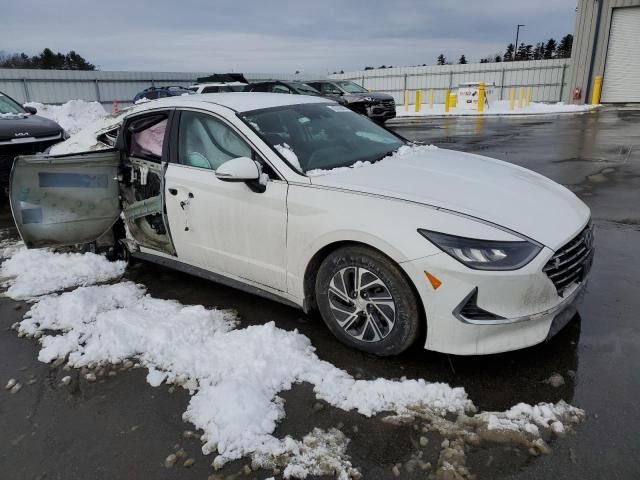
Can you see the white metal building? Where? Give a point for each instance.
(606, 43)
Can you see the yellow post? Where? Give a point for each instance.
(453, 98)
(512, 98)
(406, 100)
(431, 98)
(597, 87)
(520, 97)
(528, 96)
(481, 97)
(447, 94)
(418, 100)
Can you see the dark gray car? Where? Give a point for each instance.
(22, 132)
(377, 106)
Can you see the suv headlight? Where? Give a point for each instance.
(484, 254)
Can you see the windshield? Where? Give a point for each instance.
(323, 136)
(10, 106)
(306, 89)
(351, 87)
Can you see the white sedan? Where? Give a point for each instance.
(304, 201)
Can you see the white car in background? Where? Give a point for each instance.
(301, 200)
(218, 87)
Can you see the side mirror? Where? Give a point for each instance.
(30, 110)
(241, 169)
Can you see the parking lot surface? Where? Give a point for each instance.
(121, 427)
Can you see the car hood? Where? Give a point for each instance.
(25, 126)
(488, 189)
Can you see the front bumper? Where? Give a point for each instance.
(381, 111)
(525, 303)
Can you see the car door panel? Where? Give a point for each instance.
(65, 200)
(227, 227)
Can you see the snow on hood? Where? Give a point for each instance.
(482, 187)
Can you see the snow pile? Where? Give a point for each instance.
(8, 245)
(500, 107)
(87, 139)
(37, 272)
(289, 155)
(403, 151)
(73, 116)
(235, 375)
(528, 418)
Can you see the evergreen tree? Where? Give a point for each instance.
(508, 55)
(498, 59)
(564, 48)
(550, 49)
(463, 60)
(538, 51)
(441, 60)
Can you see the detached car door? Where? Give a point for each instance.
(221, 226)
(65, 199)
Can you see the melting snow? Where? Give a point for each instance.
(37, 272)
(235, 375)
(290, 156)
(403, 151)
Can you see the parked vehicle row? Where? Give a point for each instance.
(468, 254)
(377, 106)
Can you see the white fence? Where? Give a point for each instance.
(59, 86)
(547, 78)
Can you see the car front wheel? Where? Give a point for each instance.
(367, 302)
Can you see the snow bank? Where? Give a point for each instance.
(235, 375)
(37, 272)
(403, 151)
(500, 107)
(73, 116)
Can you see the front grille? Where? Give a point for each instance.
(389, 104)
(571, 263)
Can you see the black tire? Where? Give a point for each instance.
(408, 320)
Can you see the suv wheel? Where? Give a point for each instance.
(367, 302)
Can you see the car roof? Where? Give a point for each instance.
(239, 101)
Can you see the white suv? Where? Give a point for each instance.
(218, 87)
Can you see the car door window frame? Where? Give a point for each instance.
(257, 155)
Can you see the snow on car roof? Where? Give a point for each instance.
(242, 101)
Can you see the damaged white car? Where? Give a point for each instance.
(301, 200)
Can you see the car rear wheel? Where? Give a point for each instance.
(367, 302)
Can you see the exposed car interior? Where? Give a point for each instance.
(141, 187)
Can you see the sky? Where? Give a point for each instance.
(277, 35)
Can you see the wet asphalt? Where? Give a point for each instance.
(121, 428)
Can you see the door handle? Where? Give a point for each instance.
(173, 191)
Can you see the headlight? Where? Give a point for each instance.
(370, 100)
(484, 254)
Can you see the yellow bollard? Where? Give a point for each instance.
(528, 99)
(447, 94)
(431, 98)
(418, 100)
(406, 100)
(597, 87)
(453, 99)
(481, 97)
(520, 97)
(512, 98)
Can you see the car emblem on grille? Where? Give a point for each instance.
(21, 134)
(556, 262)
